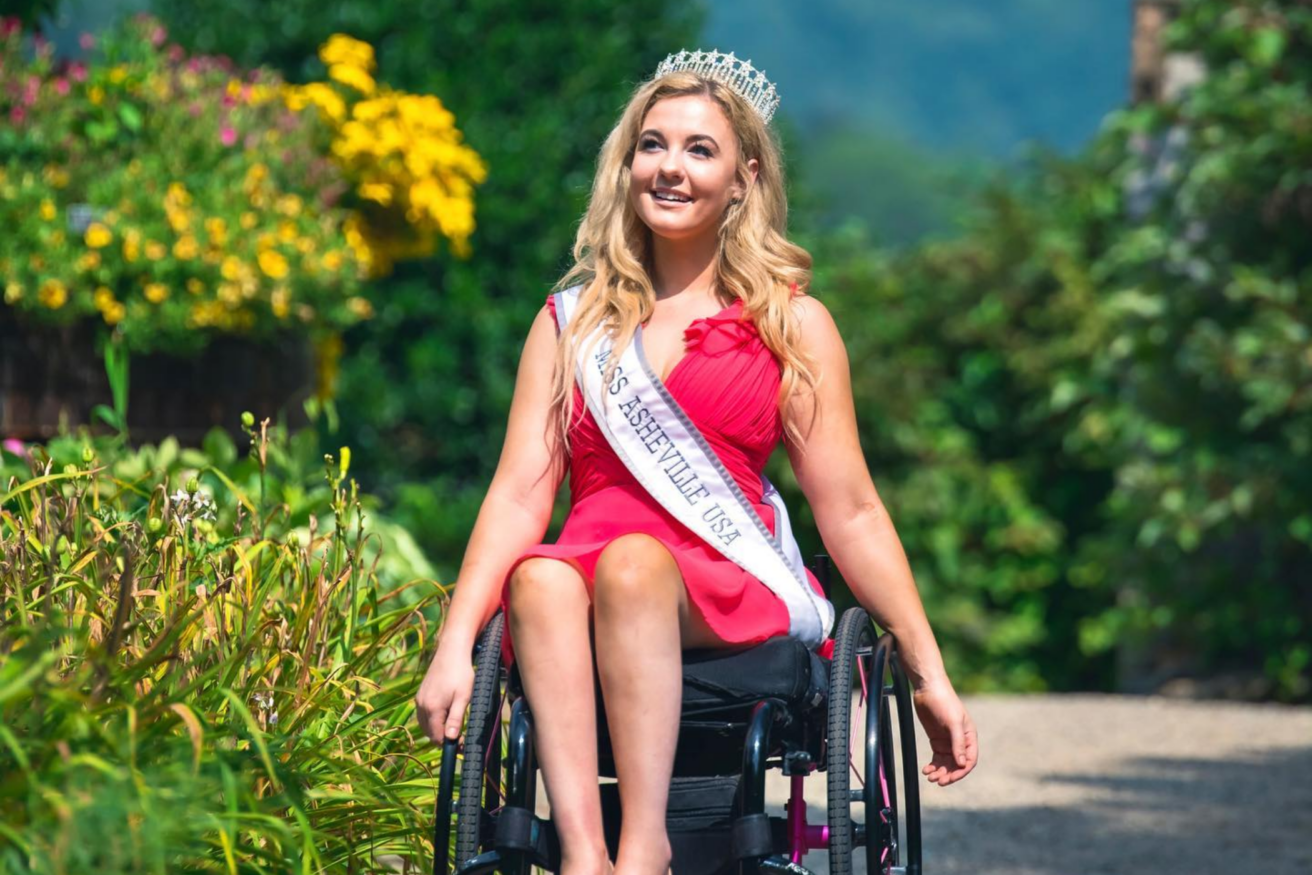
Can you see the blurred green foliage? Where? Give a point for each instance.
(208, 661)
(1092, 413)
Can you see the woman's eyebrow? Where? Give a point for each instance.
(691, 139)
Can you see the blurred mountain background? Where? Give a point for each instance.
(897, 110)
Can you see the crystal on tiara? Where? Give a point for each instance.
(736, 73)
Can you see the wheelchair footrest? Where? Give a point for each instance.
(518, 829)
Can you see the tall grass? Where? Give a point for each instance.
(207, 663)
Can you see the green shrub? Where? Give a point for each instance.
(208, 663)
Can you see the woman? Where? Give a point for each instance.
(682, 256)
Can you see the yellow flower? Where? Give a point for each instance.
(186, 247)
(88, 261)
(131, 249)
(55, 175)
(289, 205)
(97, 235)
(178, 192)
(217, 229)
(96, 94)
(103, 297)
(155, 250)
(280, 301)
(53, 294)
(261, 93)
(230, 294)
(329, 102)
(156, 292)
(377, 191)
(273, 264)
(231, 268)
(48, 211)
(353, 77)
(332, 260)
(118, 73)
(114, 313)
(249, 220)
(342, 49)
(286, 231)
(360, 307)
(13, 293)
(195, 286)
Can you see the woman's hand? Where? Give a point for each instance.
(445, 692)
(950, 729)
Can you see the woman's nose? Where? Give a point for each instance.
(671, 164)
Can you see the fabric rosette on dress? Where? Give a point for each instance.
(719, 335)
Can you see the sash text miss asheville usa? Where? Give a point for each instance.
(649, 431)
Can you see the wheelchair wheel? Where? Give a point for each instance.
(480, 765)
(860, 722)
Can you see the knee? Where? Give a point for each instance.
(543, 585)
(635, 570)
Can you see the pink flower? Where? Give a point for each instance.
(17, 114)
(157, 37)
(62, 86)
(176, 53)
(78, 71)
(15, 446)
(227, 136)
(10, 25)
(228, 99)
(87, 41)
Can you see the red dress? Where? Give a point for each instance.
(728, 384)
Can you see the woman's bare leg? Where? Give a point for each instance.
(549, 613)
(643, 622)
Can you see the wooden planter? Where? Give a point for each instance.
(52, 378)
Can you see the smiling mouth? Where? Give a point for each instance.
(667, 198)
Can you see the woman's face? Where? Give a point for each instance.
(683, 171)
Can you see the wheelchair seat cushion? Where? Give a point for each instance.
(718, 681)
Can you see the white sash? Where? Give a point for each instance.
(666, 453)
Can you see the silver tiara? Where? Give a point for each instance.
(738, 74)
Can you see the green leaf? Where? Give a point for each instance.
(1268, 45)
(130, 116)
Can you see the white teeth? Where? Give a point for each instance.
(665, 196)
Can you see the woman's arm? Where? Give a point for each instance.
(853, 522)
(517, 508)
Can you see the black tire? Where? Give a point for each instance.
(481, 733)
(854, 633)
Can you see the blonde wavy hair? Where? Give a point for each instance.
(754, 261)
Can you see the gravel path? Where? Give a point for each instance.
(1086, 784)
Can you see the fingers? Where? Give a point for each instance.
(455, 717)
(433, 716)
(949, 767)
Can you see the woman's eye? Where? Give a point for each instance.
(699, 148)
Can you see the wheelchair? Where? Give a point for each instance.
(773, 705)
